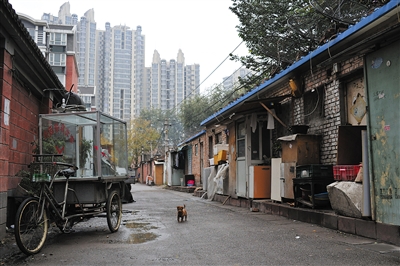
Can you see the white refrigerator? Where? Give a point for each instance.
(276, 179)
(288, 172)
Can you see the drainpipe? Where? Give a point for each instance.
(366, 207)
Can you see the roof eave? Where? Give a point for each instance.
(381, 15)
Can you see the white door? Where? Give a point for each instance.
(241, 178)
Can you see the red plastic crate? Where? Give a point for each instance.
(345, 172)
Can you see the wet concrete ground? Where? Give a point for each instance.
(214, 234)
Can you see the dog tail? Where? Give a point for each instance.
(184, 206)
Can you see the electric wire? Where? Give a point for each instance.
(194, 90)
(226, 97)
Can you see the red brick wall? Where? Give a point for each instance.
(196, 158)
(72, 74)
(5, 94)
(17, 138)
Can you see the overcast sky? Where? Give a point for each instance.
(203, 29)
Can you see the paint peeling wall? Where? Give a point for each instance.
(383, 82)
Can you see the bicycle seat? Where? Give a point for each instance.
(66, 172)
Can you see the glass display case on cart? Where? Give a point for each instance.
(93, 141)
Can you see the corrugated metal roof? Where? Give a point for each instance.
(382, 11)
(192, 138)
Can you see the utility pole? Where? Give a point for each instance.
(166, 140)
(167, 163)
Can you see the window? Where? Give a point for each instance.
(210, 147)
(57, 49)
(241, 141)
(57, 59)
(58, 38)
(31, 32)
(255, 144)
(218, 138)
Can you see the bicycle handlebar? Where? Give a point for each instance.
(66, 172)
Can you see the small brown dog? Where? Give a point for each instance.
(182, 213)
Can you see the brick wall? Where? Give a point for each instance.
(18, 130)
(19, 137)
(331, 124)
(71, 77)
(332, 84)
(5, 96)
(203, 141)
(196, 163)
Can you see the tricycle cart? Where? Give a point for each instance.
(81, 167)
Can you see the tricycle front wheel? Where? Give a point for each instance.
(31, 225)
(114, 211)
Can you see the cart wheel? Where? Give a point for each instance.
(30, 228)
(114, 211)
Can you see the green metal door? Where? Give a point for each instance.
(383, 85)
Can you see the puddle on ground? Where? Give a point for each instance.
(135, 225)
(138, 238)
(140, 232)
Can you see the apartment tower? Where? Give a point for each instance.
(120, 71)
(172, 81)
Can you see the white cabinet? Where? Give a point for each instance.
(276, 179)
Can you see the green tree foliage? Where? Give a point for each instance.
(197, 108)
(277, 33)
(167, 124)
(192, 111)
(156, 117)
(141, 135)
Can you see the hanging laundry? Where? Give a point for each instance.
(253, 122)
(271, 124)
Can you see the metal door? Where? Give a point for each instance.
(241, 180)
(383, 87)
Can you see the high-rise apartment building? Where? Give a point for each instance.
(84, 44)
(86, 47)
(233, 80)
(192, 80)
(64, 16)
(112, 73)
(172, 81)
(57, 43)
(120, 71)
(62, 56)
(140, 92)
(37, 30)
